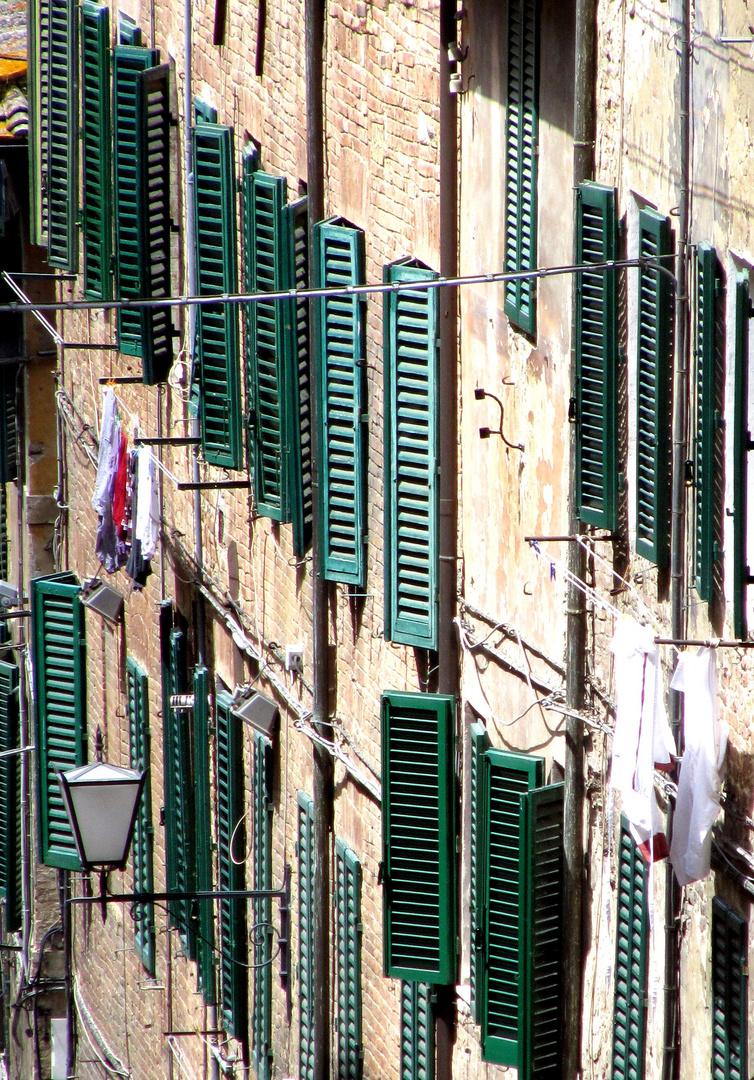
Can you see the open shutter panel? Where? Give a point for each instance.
(704, 440)
(205, 942)
(217, 273)
(60, 698)
(348, 974)
(8, 424)
(507, 778)
(39, 117)
(297, 387)
(654, 370)
(521, 161)
(143, 843)
(96, 149)
(305, 848)
(261, 1019)
(417, 1033)
(411, 458)
(729, 996)
(629, 1011)
(340, 261)
(741, 445)
(10, 791)
(128, 62)
(153, 215)
(62, 176)
(479, 743)
(4, 567)
(596, 358)
(418, 830)
(231, 874)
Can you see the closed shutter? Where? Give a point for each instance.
(8, 424)
(741, 444)
(418, 837)
(654, 372)
(39, 117)
(729, 994)
(10, 792)
(4, 566)
(96, 151)
(596, 359)
(306, 983)
(143, 839)
(231, 844)
(153, 214)
(417, 1033)
(128, 62)
(205, 932)
(59, 654)
(629, 1010)
(705, 281)
(217, 273)
(261, 1011)
(521, 135)
(350, 1052)
(411, 459)
(340, 261)
(479, 743)
(63, 113)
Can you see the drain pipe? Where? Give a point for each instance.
(678, 528)
(322, 778)
(573, 811)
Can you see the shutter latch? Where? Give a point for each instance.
(572, 410)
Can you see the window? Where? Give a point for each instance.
(706, 422)
(96, 150)
(305, 849)
(729, 994)
(60, 695)
(411, 459)
(261, 1009)
(596, 359)
(350, 1052)
(62, 155)
(340, 261)
(521, 136)
(205, 932)
(10, 793)
(417, 1033)
(741, 439)
(418, 837)
(654, 371)
(231, 843)
(142, 844)
(217, 273)
(629, 1009)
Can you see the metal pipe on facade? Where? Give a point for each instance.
(322, 780)
(573, 825)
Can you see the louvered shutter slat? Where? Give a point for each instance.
(261, 1011)
(10, 808)
(305, 843)
(729, 994)
(39, 117)
(96, 148)
(631, 934)
(741, 440)
(142, 843)
(417, 1045)
(704, 441)
(62, 119)
(479, 743)
(8, 424)
(348, 962)
(203, 834)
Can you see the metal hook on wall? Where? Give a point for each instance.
(484, 432)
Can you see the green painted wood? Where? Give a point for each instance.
(631, 948)
(4, 564)
(596, 359)
(96, 151)
(205, 928)
(128, 32)
(741, 445)
(729, 994)
(306, 977)
(348, 1021)
(142, 847)
(261, 1005)
(10, 793)
(411, 451)
(339, 251)
(706, 377)
(231, 844)
(62, 143)
(59, 660)
(8, 424)
(521, 147)
(39, 117)
(418, 838)
(417, 1047)
(654, 373)
(479, 743)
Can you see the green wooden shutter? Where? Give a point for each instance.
(4, 565)
(217, 273)
(350, 1052)
(205, 931)
(59, 655)
(631, 945)
(39, 117)
(63, 113)
(596, 359)
(128, 62)
(231, 873)
(8, 424)
(742, 577)
(418, 837)
(479, 743)
(10, 791)
(306, 982)
(96, 151)
(143, 839)
(340, 261)
(261, 1011)
(153, 218)
(297, 389)
(654, 372)
(411, 459)
(705, 281)
(521, 146)
(417, 1033)
(729, 994)
(128, 32)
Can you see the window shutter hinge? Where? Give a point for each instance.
(572, 410)
(688, 472)
(162, 816)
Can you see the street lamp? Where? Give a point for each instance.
(102, 801)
